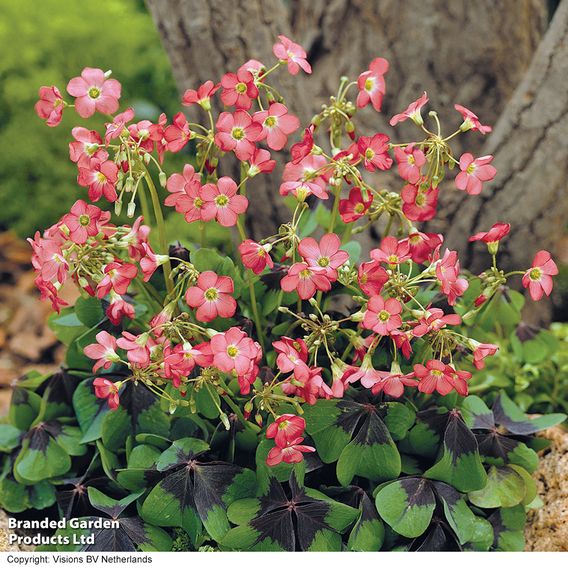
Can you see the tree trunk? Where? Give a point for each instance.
(458, 51)
(530, 146)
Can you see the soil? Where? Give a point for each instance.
(547, 527)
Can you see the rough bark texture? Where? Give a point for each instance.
(531, 150)
(459, 51)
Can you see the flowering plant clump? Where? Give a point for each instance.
(279, 393)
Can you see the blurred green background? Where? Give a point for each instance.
(47, 43)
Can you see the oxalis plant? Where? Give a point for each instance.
(274, 394)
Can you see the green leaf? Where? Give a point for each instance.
(139, 412)
(9, 437)
(407, 505)
(508, 526)
(508, 414)
(505, 488)
(482, 535)
(24, 408)
(89, 410)
(41, 457)
(459, 516)
(460, 464)
(141, 460)
(89, 311)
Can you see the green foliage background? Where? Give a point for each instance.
(47, 43)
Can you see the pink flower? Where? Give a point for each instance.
(83, 221)
(306, 280)
(471, 121)
(234, 350)
(423, 245)
(255, 256)
(117, 276)
(305, 178)
(237, 132)
(392, 382)
(180, 360)
(239, 89)
(447, 272)
(150, 262)
(409, 160)
(285, 429)
(157, 132)
(494, 235)
(293, 453)
(115, 128)
(94, 92)
(310, 389)
(293, 54)
(481, 351)
(433, 320)
(474, 172)
(212, 297)
(366, 373)
(48, 259)
(100, 176)
(50, 105)
(138, 347)
(538, 278)
(412, 112)
(86, 145)
(185, 190)
(222, 203)
(277, 124)
(202, 96)
(392, 251)
(103, 351)
(436, 376)
(260, 162)
(178, 134)
(49, 292)
(324, 255)
(372, 277)
(419, 204)
(140, 133)
(371, 84)
(355, 206)
(382, 316)
(292, 357)
(303, 148)
(374, 152)
(119, 308)
(107, 389)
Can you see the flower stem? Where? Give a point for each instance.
(160, 225)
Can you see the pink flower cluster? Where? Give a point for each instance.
(385, 310)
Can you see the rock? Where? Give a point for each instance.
(547, 527)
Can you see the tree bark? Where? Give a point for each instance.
(458, 51)
(530, 146)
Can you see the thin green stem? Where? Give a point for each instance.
(161, 226)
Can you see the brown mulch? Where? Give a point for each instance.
(26, 342)
(547, 527)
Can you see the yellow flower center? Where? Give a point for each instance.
(101, 178)
(368, 84)
(383, 315)
(84, 220)
(94, 92)
(359, 208)
(198, 203)
(535, 274)
(270, 121)
(393, 259)
(241, 88)
(305, 274)
(221, 200)
(211, 294)
(232, 351)
(323, 261)
(369, 153)
(238, 133)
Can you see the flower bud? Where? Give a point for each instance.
(163, 179)
(131, 209)
(117, 207)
